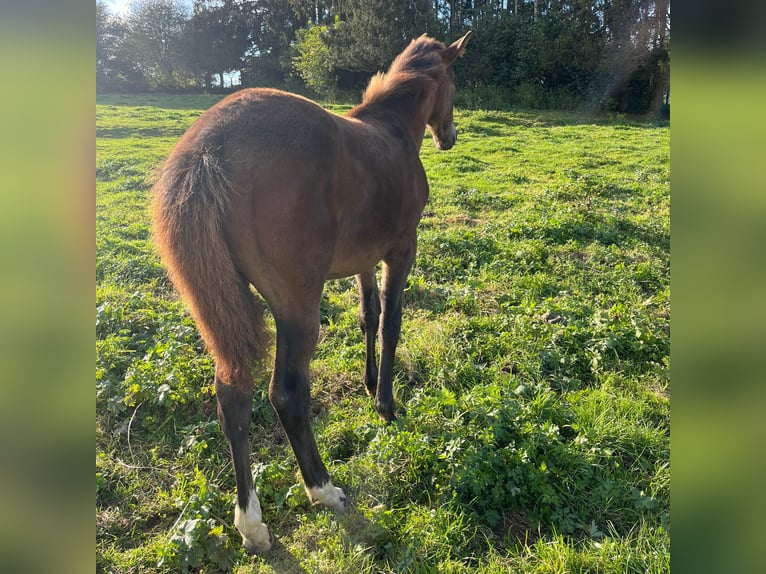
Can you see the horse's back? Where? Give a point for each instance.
(261, 125)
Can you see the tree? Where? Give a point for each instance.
(363, 39)
(273, 28)
(635, 68)
(114, 70)
(612, 54)
(661, 79)
(106, 38)
(155, 41)
(104, 56)
(216, 39)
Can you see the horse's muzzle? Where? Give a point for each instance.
(446, 142)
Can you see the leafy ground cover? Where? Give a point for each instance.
(532, 372)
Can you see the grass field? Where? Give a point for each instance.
(532, 372)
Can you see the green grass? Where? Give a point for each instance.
(533, 370)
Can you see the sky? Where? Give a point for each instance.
(121, 7)
(118, 6)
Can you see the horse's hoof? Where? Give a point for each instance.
(340, 503)
(343, 505)
(259, 543)
(330, 496)
(387, 416)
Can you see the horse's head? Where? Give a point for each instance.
(440, 122)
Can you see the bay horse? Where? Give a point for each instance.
(267, 189)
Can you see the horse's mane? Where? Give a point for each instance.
(410, 72)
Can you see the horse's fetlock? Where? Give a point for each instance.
(385, 410)
(371, 384)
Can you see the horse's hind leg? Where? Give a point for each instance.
(369, 320)
(290, 395)
(234, 412)
(396, 267)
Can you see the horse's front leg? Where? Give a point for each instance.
(369, 321)
(396, 267)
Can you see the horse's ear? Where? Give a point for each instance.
(455, 50)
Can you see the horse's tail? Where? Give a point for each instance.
(188, 208)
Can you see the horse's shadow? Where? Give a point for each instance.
(360, 529)
(281, 559)
(361, 532)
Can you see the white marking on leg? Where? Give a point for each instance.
(255, 535)
(331, 496)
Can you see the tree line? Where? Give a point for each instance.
(601, 54)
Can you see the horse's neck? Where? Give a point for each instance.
(408, 113)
